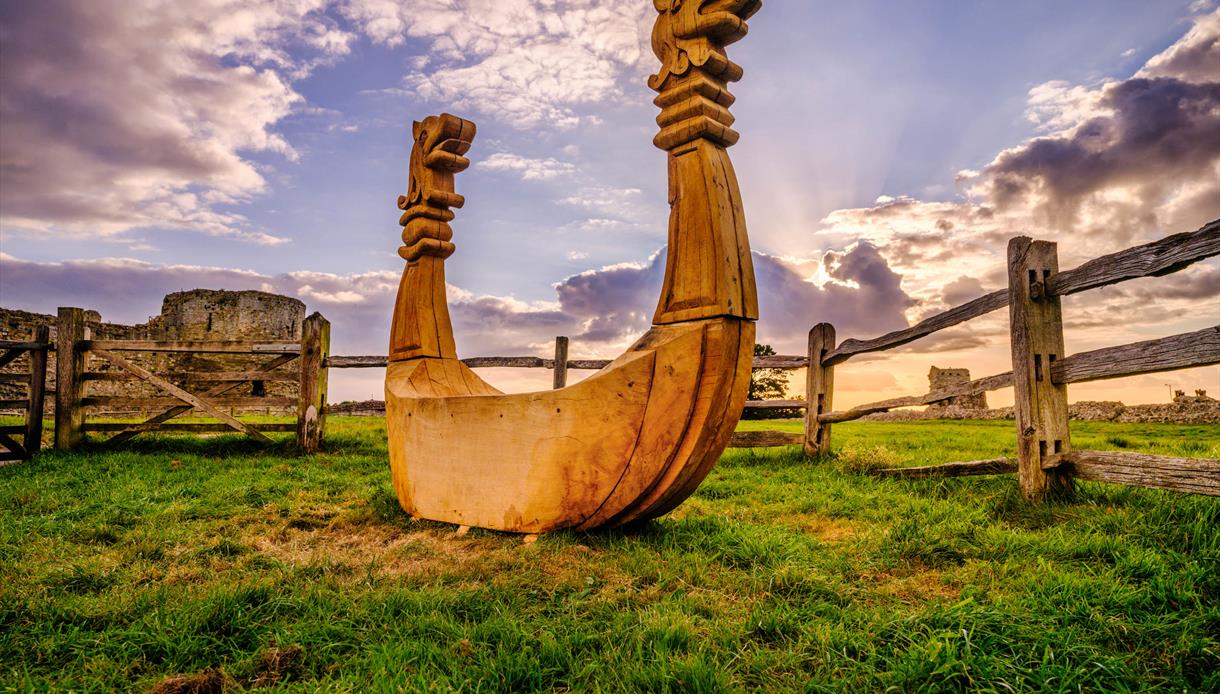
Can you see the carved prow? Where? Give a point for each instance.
(421, 326)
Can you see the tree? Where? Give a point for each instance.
(768, 384)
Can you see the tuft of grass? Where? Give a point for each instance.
(197, 564)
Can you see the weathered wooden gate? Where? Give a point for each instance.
(35, 380)
(76, 351)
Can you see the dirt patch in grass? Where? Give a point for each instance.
(380, 549)
(830, 529)
(276, 664)
(916, 586)
(823, 528)
(209, 681)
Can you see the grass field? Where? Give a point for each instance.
(212, 563)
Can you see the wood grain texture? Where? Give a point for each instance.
(765, 439)
(192, 427)
(708, 268)
(421, 326)
(1155, 259)
(1040, 405)
(180, 394)
(959, 314)
(819, 389)
(775, 404)
(120, 402)
(634, 440)
(36, 391)
(311, 407)
(152, 423)
(237, 377)
(559, 377)
(69, 365)
(994, 466)
(1161, 257)
(206, 346)
(980, 385)
(1193, 475)
(378, 361)
(1200, 348)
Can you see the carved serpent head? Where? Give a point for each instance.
(694, 33)
(440, 142)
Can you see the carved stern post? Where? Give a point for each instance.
(421, 326)
(708, 271)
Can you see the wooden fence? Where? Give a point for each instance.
(76, 352)
(1045, 460)
(31, 405)
(560, 364)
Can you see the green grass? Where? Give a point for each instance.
(215, 559)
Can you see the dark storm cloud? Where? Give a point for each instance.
(1158, 133)
(600, 308)
(865, 298)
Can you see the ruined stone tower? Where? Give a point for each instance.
(198, 314)
(943, 378)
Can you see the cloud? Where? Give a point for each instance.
(1193, 58)
(527, 63)
(961, 290)
(1116, 163)
(603, 309)
(141, 114)
(529, 169)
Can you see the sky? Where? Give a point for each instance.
(888, 151)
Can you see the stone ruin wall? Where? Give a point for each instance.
(944, 378)
(198, 314)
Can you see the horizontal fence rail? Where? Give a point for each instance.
(1155, 259)
(197, 346)
(1188, 350)
(376, 361)
(1194, 475)
(981, 385)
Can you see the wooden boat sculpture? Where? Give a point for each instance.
(634, 440)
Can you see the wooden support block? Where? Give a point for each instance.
(69, 365)
(819, 389)
(1036, 324)
(764, 439)
(994, 466)
(561, 362)
(311, 413)
(37, 391)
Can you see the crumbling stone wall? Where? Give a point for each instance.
(944, 378)
(1180, 397)
(199, 314)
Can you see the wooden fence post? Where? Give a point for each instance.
(37, 391)
(69, 367)
(1036, 324)
(819, 389)
(561, 362)
(311, 414)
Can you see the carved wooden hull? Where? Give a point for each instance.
(628, 443)
(635, 439)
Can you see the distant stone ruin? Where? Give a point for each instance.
(1181, 398)
(944, 378)
(198, 314)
